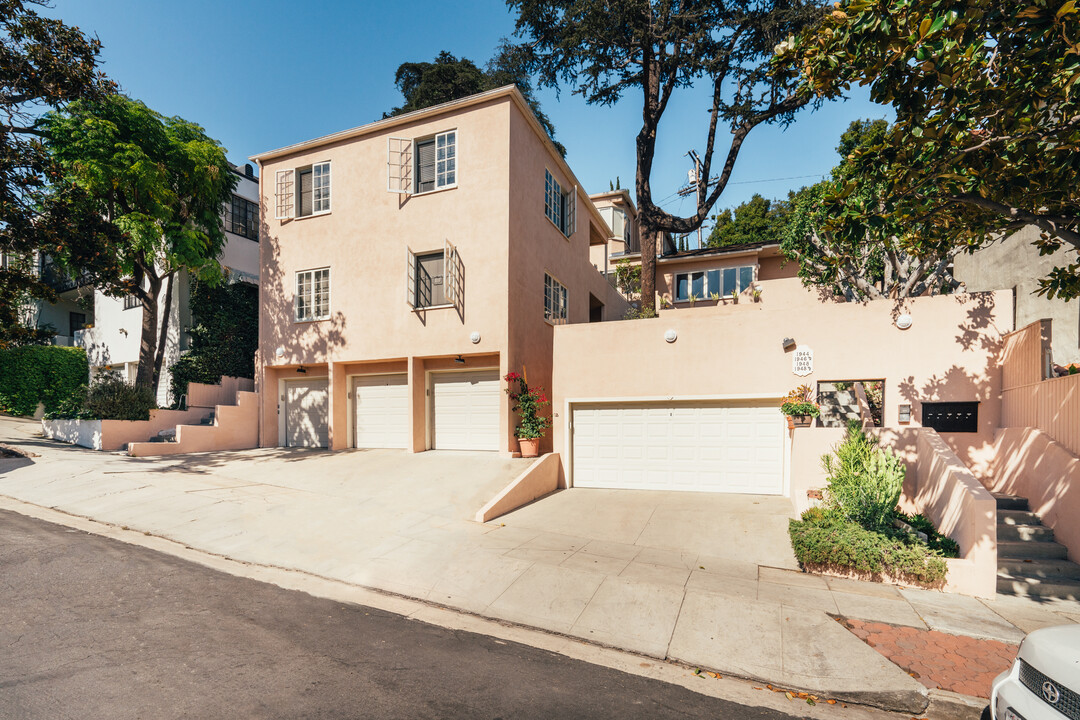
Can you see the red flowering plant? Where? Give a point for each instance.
(798, 402)
(527, 404)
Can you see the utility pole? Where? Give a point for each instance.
(693, 177)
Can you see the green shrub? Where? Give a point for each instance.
(946, 546)
(224, 336)
(865, 480)
(822, 538)
(39, 373)
(107, 398)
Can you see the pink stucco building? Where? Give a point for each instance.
(407, 265)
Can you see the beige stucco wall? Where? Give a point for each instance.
(736, 351)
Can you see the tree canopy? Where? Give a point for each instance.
(756, 220)
(987, 132)
(161, 182)
(446, 78)
(603, 50)
(868, 260)
(43, 64)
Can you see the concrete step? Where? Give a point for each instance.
(1025, 533)
(1059, 588)
(1010, 502)
(1039, 569)
(1018, 517)
(1035, 550)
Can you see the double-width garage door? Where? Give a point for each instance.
(681, 446)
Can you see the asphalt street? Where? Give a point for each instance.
(94, 628)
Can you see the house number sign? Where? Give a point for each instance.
(802, 361)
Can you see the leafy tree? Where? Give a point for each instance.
(868, 260)
(756, 220)
(424, 84)
(653, 47)
(161, 182)
(43, 64)
(987, 133)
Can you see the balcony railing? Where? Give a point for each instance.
(60, 281)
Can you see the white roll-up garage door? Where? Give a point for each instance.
(465, 410)
(682, 446)
(306, 407)
(381, 417)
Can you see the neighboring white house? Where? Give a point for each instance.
(109, 327)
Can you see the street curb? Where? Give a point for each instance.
(730, 686)
(947, 705)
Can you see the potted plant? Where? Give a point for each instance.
(799, 408)
(527, 404)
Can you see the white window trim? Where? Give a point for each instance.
(329, 294)
(708, 291)
(285, 183)
(565, 306)
(457, 154)
(450, 285)
(406, 171)
(570, 214)
(330, 188)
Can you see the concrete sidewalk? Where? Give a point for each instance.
(705, 580)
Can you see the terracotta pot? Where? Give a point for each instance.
(530, 447)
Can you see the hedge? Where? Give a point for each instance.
(825, 539)
(39, 373)
(108, 398)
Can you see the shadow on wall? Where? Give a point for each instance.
(301, 342)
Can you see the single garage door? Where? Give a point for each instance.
(465, 408)
(700, 447)
(382, 411)
(305, 413)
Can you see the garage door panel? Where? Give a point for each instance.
(709, 447)
(465, 409)
(306, 411)
(381, 411)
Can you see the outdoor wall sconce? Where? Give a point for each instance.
(903, 413)
(280, 352)
(459, 360)
(904, 321)
(788, 343)
(301, 369)
(474, 338)
(671, 336)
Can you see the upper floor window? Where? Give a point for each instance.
(132, 301)
(560, 206)
(705, 284)
(313, 295)
(242, 218)
(423, 165)
(302, 191)
(434, 278)
(555, 304)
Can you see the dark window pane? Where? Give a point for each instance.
(430, 288)
(305, 193)
(746, 276)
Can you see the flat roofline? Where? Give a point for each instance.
(623, 193)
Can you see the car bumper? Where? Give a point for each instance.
(1008, 693)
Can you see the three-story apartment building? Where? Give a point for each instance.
(408, 265)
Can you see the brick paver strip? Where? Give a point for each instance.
(958, 663)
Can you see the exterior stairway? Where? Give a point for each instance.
(1030, 563)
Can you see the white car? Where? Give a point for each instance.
(1044, 681)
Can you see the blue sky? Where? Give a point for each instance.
(263, 74)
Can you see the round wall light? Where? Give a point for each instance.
(671, 336)
(904, 321)
(280, 352)
(474, 338)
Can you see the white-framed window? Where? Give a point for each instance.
(433, 279)
(421, 165)
(560, 205)
(555, 301)
(302, 191)
(704, 284)
(313, 295)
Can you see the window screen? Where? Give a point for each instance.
(305, 192)
(430, 287)
(425, 165)
(951, 416)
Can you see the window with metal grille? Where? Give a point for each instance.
(313, 295)
(555, 305)
(242, 218)
(951, 416)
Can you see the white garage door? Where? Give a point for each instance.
(382, 411)
(702, 447)
(305, 413)
(465, 407)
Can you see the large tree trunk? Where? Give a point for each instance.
(148, 341)
(164, 335)
(648, 269)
